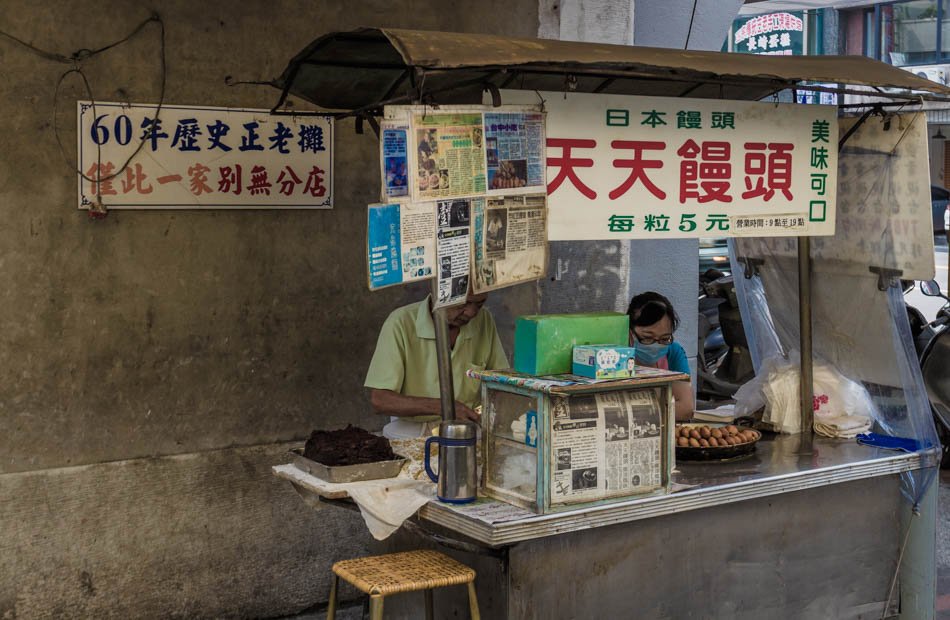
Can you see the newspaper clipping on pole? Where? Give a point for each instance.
(394, 139)
(400, 243)
(453, 251)
(605, 445)
(515, 152)
(510, 240)
(450, 159)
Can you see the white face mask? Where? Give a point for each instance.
(651, 353)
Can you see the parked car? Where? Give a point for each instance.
(939, 199)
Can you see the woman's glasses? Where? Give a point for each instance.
(647, 340)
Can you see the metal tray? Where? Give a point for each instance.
(348, 473)
(719, 453)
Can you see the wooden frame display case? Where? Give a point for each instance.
(564, 442)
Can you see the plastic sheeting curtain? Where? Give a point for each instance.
(882, 221)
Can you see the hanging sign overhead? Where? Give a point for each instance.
(203, 158)
(772, 34)
(624, 167)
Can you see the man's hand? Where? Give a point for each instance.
(463, 412)
(387, 402)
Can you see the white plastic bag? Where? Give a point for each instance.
(776, 388)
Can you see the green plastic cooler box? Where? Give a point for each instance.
(544, 343)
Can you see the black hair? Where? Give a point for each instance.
(648, 308)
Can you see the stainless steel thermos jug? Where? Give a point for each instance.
(457, 478)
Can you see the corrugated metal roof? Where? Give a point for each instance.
(370, 67)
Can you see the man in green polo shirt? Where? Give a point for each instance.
(403, 376)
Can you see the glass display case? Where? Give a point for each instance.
(553, 444)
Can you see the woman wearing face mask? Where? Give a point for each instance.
(652, 323)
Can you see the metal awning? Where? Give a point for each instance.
(362, 70)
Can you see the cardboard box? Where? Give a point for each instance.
(544, 343)
(604, 362)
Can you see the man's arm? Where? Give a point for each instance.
(387, 402)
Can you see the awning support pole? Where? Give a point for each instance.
(806, 388)
(443, 353)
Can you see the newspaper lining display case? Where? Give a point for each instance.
(565, 442)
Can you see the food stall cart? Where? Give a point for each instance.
(804, 527)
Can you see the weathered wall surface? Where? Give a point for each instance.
(198, 535)
(162, 333)
(166, 332)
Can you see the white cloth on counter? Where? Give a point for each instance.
(384, 504)
(842, 426)
(399, 428)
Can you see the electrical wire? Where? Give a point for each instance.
(76, 59)
(915, 512)
(689, 32)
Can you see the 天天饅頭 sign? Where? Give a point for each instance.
(622, 167)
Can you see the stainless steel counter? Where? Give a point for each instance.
(777, 466)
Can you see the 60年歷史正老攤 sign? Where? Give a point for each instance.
(194, 157)
(621, 167)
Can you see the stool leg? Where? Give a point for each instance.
(473, 601)
(428, 594)
(331, 606)
(376, 607)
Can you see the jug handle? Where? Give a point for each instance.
(432, 475)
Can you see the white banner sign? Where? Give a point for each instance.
(203, 158)
(622, 167)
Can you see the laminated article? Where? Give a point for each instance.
(605, 445)
(400, 243)
(515, 152)
(509, 241)
(453, 251)
(394, 160)
(463, 151)
(450, 155)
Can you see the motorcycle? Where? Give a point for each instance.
(932, 343)
(724, 362)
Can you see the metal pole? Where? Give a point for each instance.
(443, 353)
(806, 390)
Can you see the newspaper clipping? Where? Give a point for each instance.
(450, 159)
(510, 240)
(606, 445)
(400, 243)
(395, 159)
(514, 148)
(453, 248)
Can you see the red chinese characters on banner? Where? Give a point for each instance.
(135, 180)
(104, 181)
(767, 174)
(566, 164)
(229, 180)
(638, 166)
(705, 170)
(198, 179)
(710, 173)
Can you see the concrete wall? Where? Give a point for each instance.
(153, 363)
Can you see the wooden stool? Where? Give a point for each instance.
(408, 571)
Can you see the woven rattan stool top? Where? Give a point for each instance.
(407, 571)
